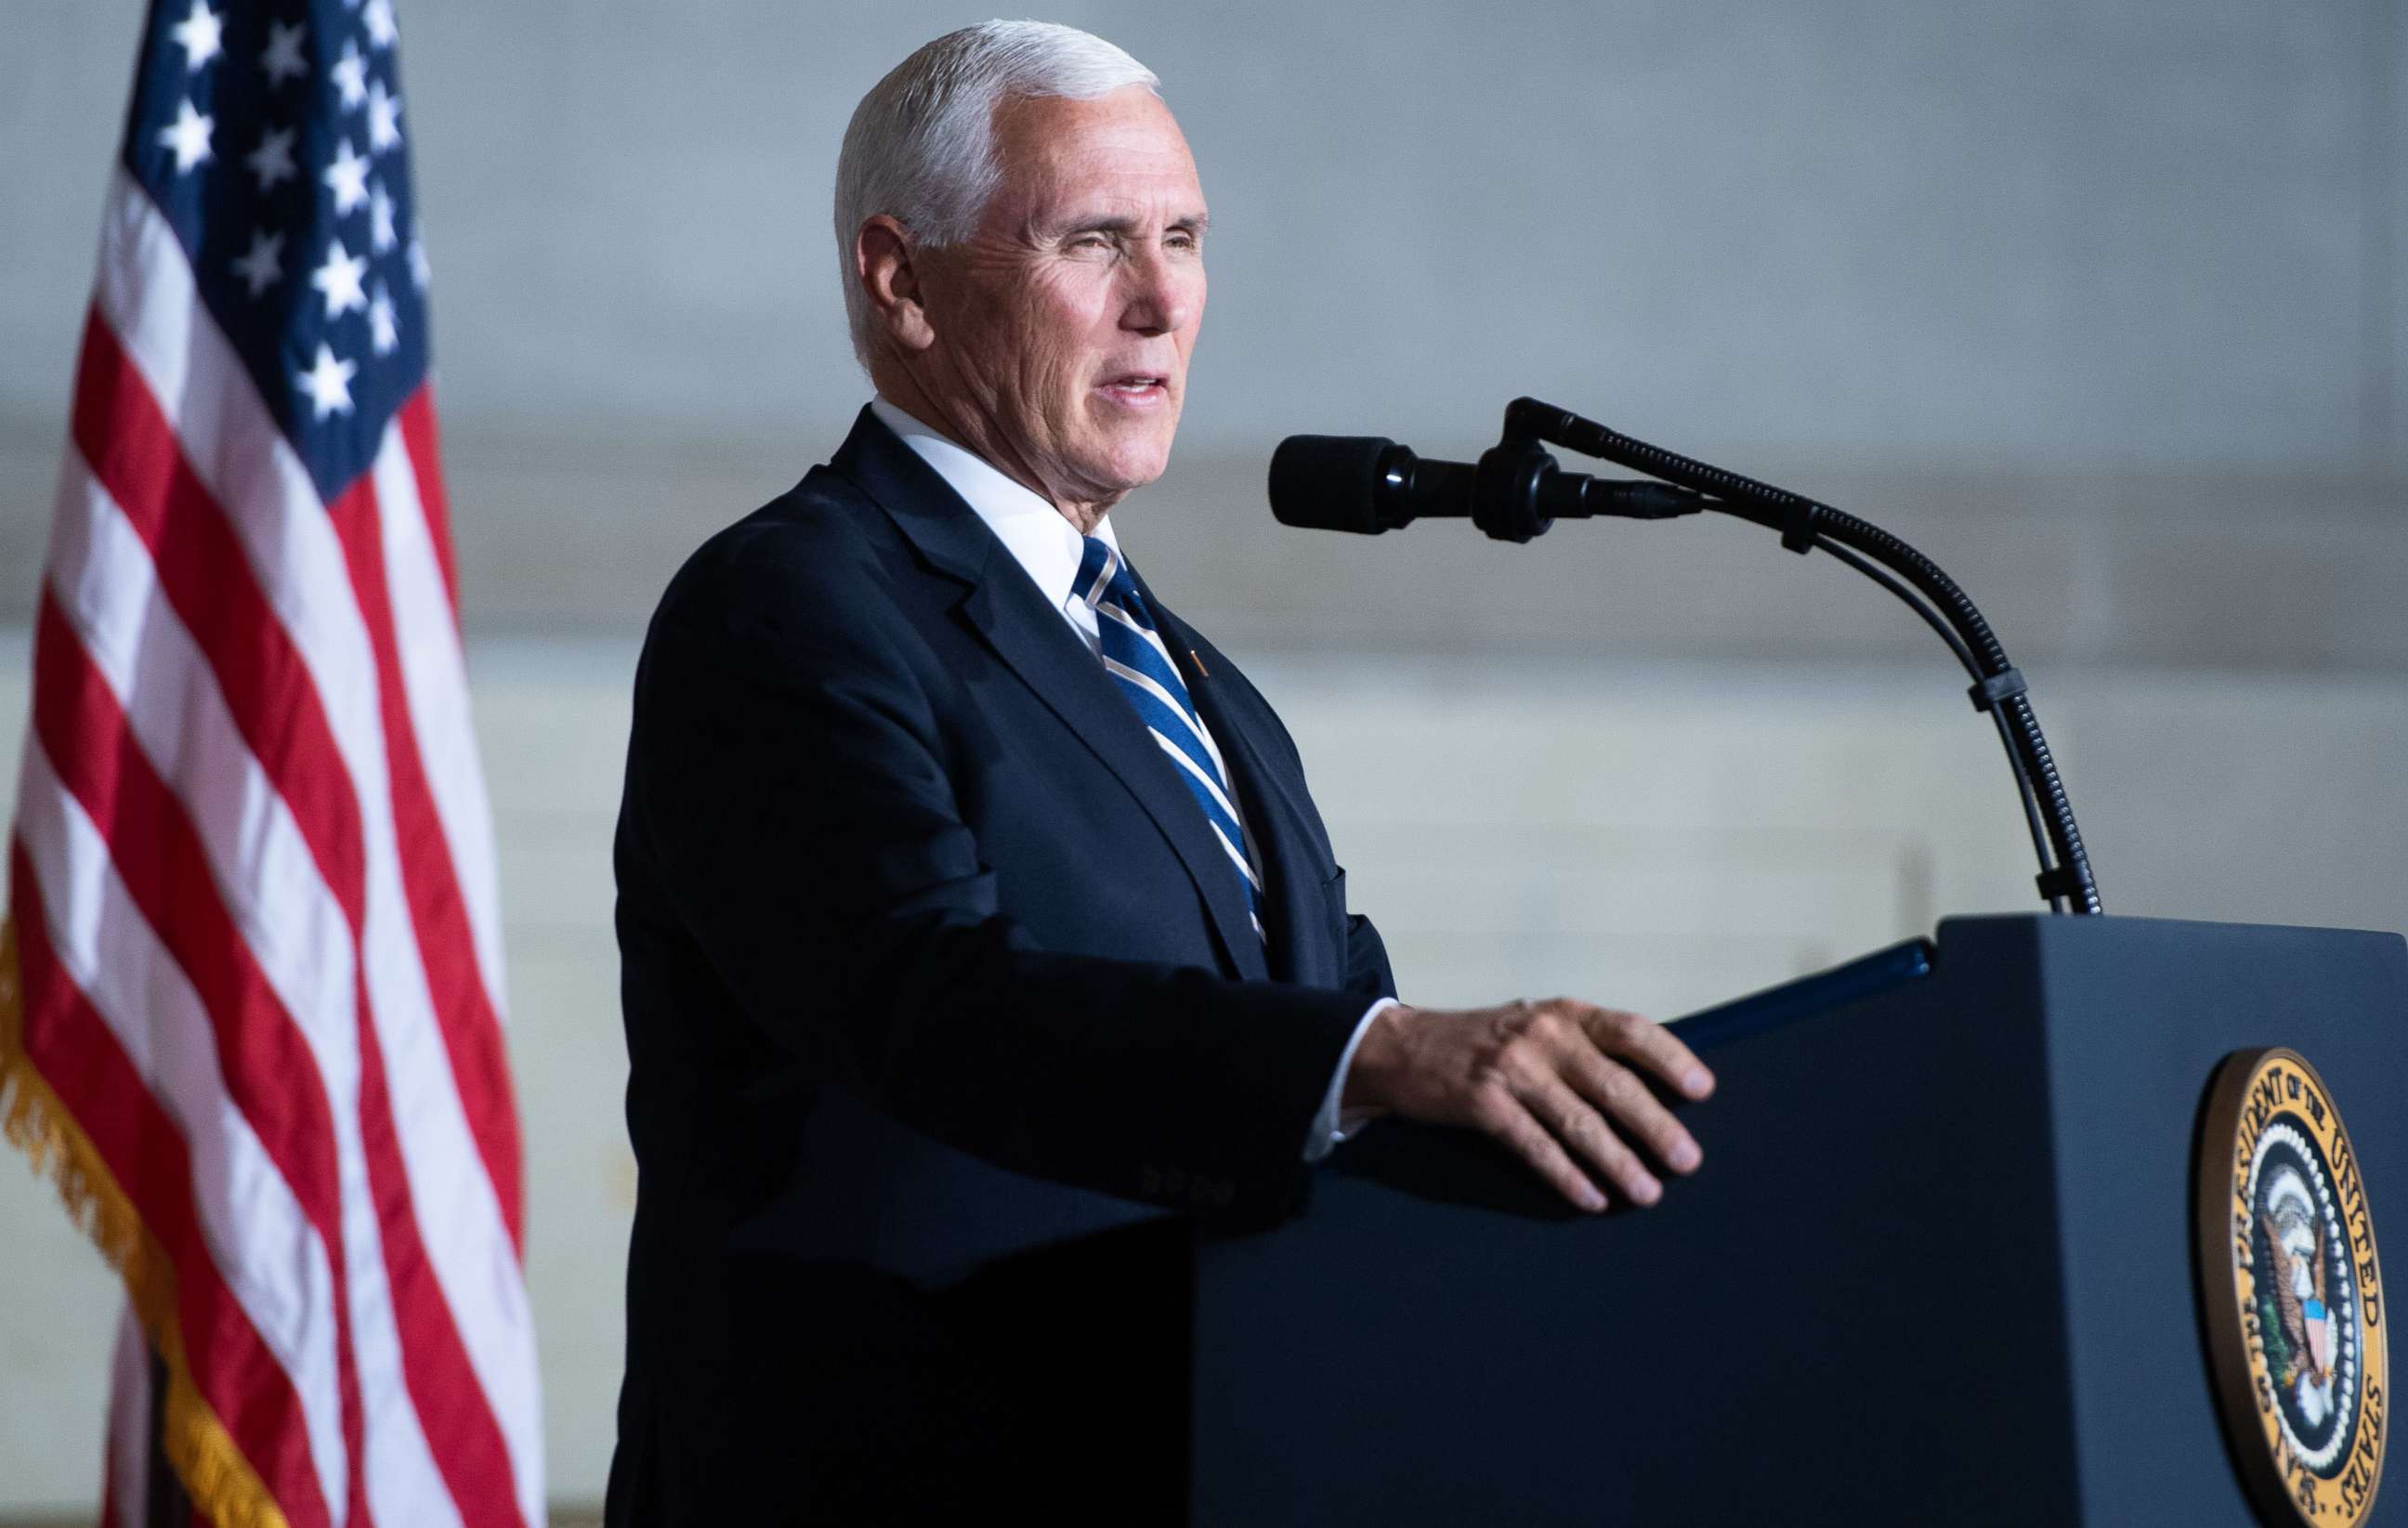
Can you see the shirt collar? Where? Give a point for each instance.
(1046, 546)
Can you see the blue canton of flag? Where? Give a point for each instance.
(271, 136)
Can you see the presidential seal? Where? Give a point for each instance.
(2293, 1293)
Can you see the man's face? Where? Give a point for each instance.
(1066, 321)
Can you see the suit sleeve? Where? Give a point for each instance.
(792, 803)
(1366, 960)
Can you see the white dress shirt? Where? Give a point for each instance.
(1049, 548)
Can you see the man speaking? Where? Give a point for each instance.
(969, 899)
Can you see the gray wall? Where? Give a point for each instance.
(2087, 296)
(2103, 304)
(2144, 233)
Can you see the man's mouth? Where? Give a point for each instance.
(1139, 388)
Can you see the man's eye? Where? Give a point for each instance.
(1090, 241)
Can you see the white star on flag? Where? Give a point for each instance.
(378, 19)
(384, 329)
(350, 74)
(382, 237)
(421, 271)
(272, 161)
(188, 136)
(328, 383)
(282, 60)
(384, 119)
(262, 268)
(201, 35)
(348, 179)
(339, 279)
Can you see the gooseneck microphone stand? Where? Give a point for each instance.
(1506, 497)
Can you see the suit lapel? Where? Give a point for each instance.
(1290, 866)
(1037, 645)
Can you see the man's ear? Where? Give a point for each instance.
(883, 262)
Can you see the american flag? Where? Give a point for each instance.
(253, 1020)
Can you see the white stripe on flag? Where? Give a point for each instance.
(263, 1244)
(289, 918)
(435, 675)
(265, 875)
(237, 453)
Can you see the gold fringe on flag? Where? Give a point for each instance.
(219, 1479)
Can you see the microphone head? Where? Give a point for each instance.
(1330, 483)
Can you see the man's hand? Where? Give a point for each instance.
(1549, 1079)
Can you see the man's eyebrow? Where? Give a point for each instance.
(1194, 223)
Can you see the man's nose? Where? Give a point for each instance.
(1161, 294)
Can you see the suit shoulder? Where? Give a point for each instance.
(820, 551)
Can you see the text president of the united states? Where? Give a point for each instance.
(968, 898)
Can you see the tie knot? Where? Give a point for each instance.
(1100, 570)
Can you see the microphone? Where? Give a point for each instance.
(1368, 484)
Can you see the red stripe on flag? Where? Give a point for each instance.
(418, 439)
(270, 1073)
(134, 452)
(472, 1032)
(77, 1053)
(207, 577)
(461, 1427)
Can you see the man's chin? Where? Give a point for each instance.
(1125, 463)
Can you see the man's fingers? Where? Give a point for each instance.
(1650, 1044)
(1504, 1117)
(1582, 1129)
(1617, 1091)
(1545, 1080)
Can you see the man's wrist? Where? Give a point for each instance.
(1337, 1118)
(1363, 1095)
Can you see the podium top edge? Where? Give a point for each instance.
(2125, 921)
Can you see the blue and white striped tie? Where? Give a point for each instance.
(1138, 662)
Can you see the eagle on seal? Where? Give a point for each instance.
(2297, 1239)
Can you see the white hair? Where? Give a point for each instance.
(921, 145)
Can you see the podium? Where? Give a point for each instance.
(1938, 1268)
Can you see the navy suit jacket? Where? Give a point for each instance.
(927, 957)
